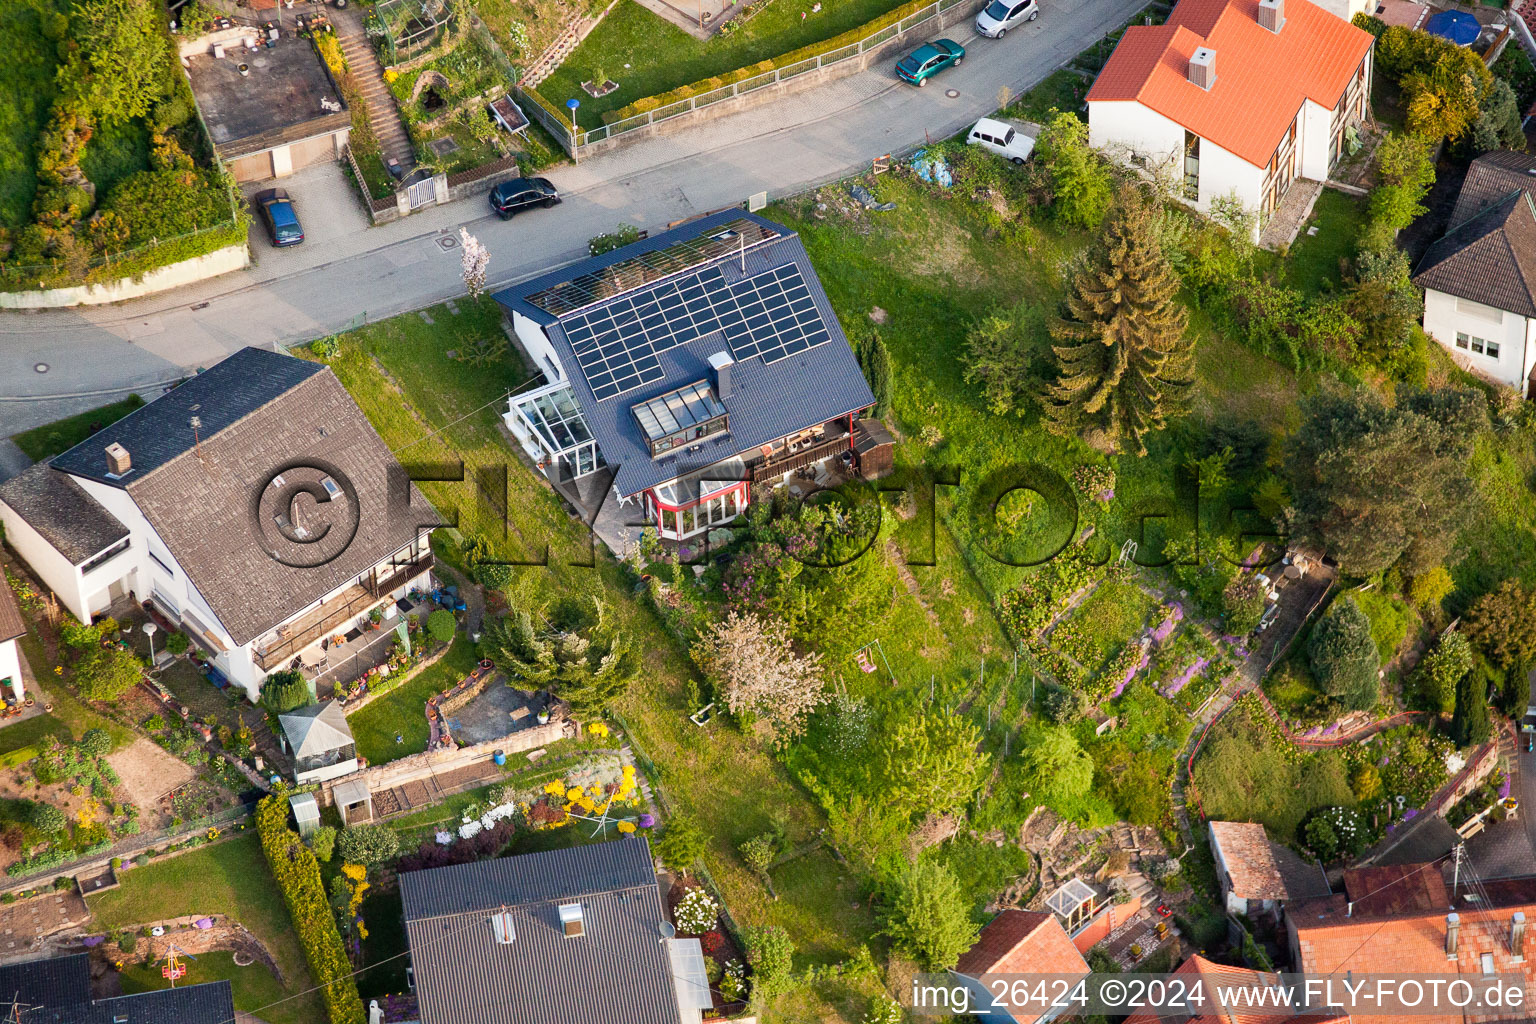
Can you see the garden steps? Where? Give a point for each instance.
(383, 114)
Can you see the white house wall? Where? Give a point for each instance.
(57, 572)
(10, 668)
(1515, 334)
(1346, 9)
(1313, 139)
(537, 345)
(1123, 128)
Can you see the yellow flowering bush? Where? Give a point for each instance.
(626, 826)
(556, 788)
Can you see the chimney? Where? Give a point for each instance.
(1202, 67)
(1272, 14)
(1517, 936)
(1452, 929)
(118, 461)
(721, 363)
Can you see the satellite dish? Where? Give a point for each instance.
(667, 931)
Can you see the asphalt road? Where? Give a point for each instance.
(346, 272)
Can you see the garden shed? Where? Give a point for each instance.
(306, 812)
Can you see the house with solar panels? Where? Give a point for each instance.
(684, 369)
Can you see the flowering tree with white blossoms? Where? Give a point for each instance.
(474, 259)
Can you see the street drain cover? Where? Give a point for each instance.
(952, 93)
(447, 242)
(41, 367)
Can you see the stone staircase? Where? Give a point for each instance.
(383, 115)
(570, 37)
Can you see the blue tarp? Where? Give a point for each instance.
(1457, 26)
(933, 170)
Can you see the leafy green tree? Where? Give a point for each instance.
(1081, 181)
(1061, 768)
(1064, 705)
(771, 953)
(1430, 588)
(1243, 604)
(1002, 355)
(442, 625)
(1515, 694)
(1384, 301)
(929, 762)
(106, 673)
(572, 650)
(1443, 97)
(1375, 483)
(285, 691)
(323, 843)
(1343, 656)
(1124, 363)
(123, 49)
(1438, 672)
(1321, 839)
(875, 360)
(1405, 171)
(1498, 123)
(682, 843)
(367, 844)
(1469, 724)
(1503, 624)
(1514, 67)
(926, 915)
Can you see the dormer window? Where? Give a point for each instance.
(679, 418)
(571, 920)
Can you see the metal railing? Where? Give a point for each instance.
(574, 139)
(790, 461)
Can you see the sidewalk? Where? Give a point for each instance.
(308, 291)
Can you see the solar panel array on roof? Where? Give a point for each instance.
(771, 315)
(777, 314)
(638, 271)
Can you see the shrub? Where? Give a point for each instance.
(298, 877)
(928, 917)
(441, 625)
(618, 238)
(771, 953)
(284, 691)
(323, 843)
(1431, 587)
(106, 673)
(178, 642)
(368, 844)
(682, 843)
(696, 912)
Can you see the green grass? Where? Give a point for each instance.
(1109, 617)
(228, 878)
(402, 711)
(1314, 264)
(69, 710)
(1061, 90)
(253, 987)
(33, 730)
(50, 439)
(661, 56)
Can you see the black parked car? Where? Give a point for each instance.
(522, 193)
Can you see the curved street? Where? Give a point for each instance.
(346, 271)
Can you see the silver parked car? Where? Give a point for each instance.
(1001, 15)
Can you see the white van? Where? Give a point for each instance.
(1002, 138)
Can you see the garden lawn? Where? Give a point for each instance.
(647, 55)
(1314, 261)
(231, 878)
(33, 731)
(254, 986)
(1108, 618)
(51, 439)
(403, 710)
(399, 374)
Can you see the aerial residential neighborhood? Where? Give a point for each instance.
(689, 511)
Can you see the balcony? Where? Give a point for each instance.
(807, 455)
(339, 612)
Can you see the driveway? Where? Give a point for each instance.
(97, 353)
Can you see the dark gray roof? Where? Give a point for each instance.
(316, 728)
(220, 397)
(58, 508)
(202, 503)
(58, 991)
(1489, 179)
(767, 400)
(618, 970)
(1490, 258)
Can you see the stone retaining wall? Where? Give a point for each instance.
(432, 762)
(199, 268)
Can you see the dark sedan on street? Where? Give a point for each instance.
(521, 194)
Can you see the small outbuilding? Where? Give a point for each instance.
(306, 812)
(320, 742)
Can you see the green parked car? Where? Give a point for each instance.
(928, 60)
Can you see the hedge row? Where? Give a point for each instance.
(132, 265)
(298, 876)
(646, 104)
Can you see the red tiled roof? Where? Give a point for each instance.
(1262, 870)
(1215, 974)
(1022, 942)
(1262, 77)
